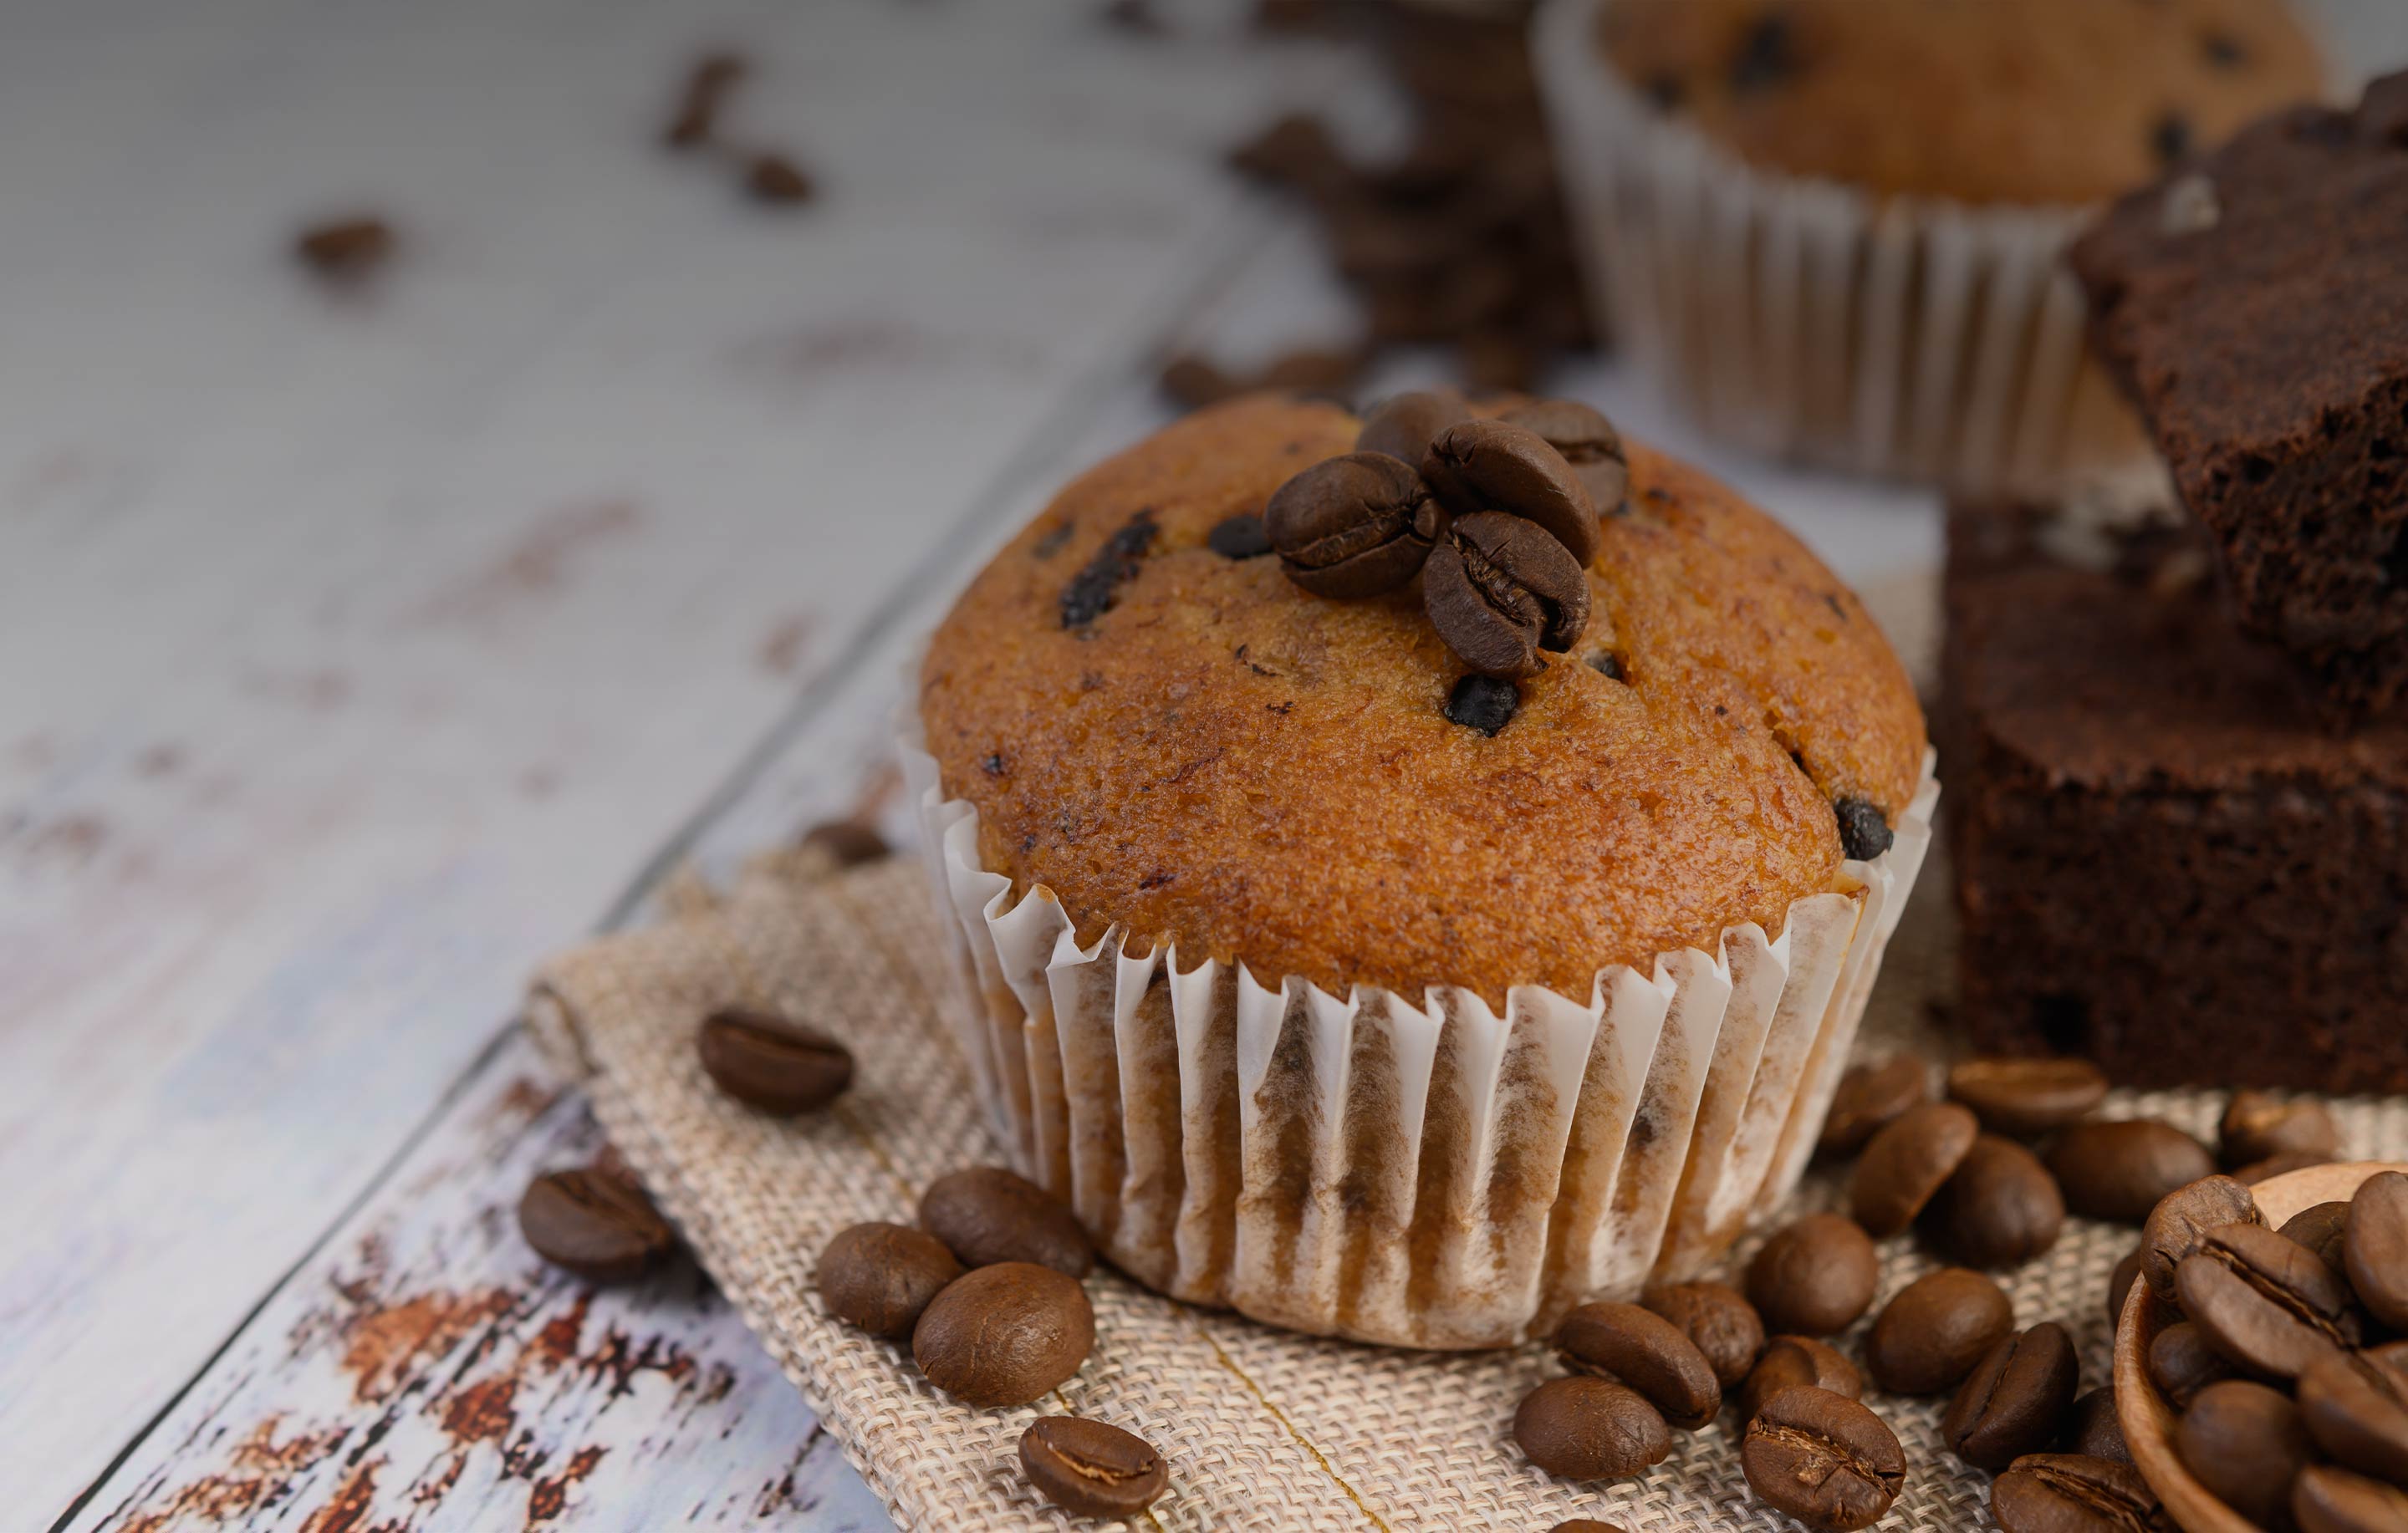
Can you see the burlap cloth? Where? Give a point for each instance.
(1263, 1429)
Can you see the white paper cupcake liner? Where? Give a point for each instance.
(1913, 337)
(1430, 1175)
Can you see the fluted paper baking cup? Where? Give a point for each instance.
(1907, 335)
(1427, 1175)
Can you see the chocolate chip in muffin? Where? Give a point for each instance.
(1239, 538)
(2223, 50)
(1089, 594)
(1486, 703)
(2170, 138)
(1768, 57)
(1864, 830)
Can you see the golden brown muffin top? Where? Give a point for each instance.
(2009, 101)
(1223, 761)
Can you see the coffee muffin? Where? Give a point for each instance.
(1832, 224)
(1330, 995)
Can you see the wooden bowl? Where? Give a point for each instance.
(2147, 1417)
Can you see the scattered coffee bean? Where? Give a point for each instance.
(2000, 1208)
(1352, 526)
(2325, 1499)
(1640, 1349)
(2356, 1406)
(776, 1063)
(707, 84)
(1486, 703)
(1004, 1334)
(2026, 1097)
(2119, 1283)
(1492, 466)
(2015, 1400)
(1403, 425)
(1904, 1165)
(986, 1214)
(2244, 1444)
(599, 1225)
(347, 250)
(2181, 1363)
(1721, 1324)
(2322, 1230)
(1194, 382)
(1313, 372)
(773, 179)
(2091, 1427)
(2281, 1165)
(1815, 1277)
(1864, 829)
(2119, 1170)
(848, 843)
(2179, 1223)
(1500, 589)
(2267, 1303)
(2071, 1493)
(1587, 441)
(1091, 1468)
(1789, 1361)
(1584, 1429)
(2374, 1247)
(1583, 1524)
(1824, 1459)
(1927, 1337)
(2258, 1125)
(1870, 1097)
(879, 1277)
(1091, 592)
(1239, 538)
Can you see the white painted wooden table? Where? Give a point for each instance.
(356, 652)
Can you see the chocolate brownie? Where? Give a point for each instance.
(2255, 305)
(2162, 862)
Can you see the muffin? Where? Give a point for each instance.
(1831, 226)
(1322, 1005)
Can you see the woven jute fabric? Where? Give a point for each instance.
(1262, 1428)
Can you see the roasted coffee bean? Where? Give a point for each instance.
(1642, 1350)
(2281, 1165)
(2072, 1493)
(2001, 1209)
(1789, 1361)
(2374, 1247)
(2355, 1406)
(2259, 1125)
(2119, 1170)
(2181, 1363)
(1239, 537)
(2091, 1426)
(1927, 1337)
(1815, 1277)
(2244, 1444)
(1824, 1459)
(1500, 589)
(1486, 703)
(1722, 1325)
(1194, 382)
(2119, 1283)
(1905, 1164)
(2015, 1400)
(776, 1064)
(1869, 1098)
(2025, 1098)
(2179, 1225)
(594, 1224)
(772, 178)
(1091, 1468)
(1587, 441)
(1004, 1334)
(705, 92)
(987, 1214)
(1294, 150)
(2325, 1499)
(1313, 372)
(1492, 466)
(1864, 829)
(1584, 1524)
(1352, 526)
(1403, 425)
(347, 250)
(1584, 1429)
(879, 1277)
(847, 843)
(2322, 1229)
(1090, 592)
(2267, 1303)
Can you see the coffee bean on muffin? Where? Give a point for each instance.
(879, 1277)
(2073, 1493)
(1905, 1164)
(1642, 1350)
(986, 1214)
(2119, 1170)
(2025, 1098)
(1354, 527)
(595, 1223)
(1091, 1469)
(2000, 1208)
(1789, 1361)
(1493, 465)
(2267, 1304)
(1486, 703)
(1242, 537)
(1824, 1459)
(2259, 1126)
(1927, 1337)
(2015, 1400)
(779, 1065)
(1864, 830)
(2179, 1223)
(1722, 1323)
(1815, 1277)
(2244, 1443)
(1004, 1334)
(1586, 1428)
(1500, 589)
(847, 843)
(1403, 425)
(2091, 1426)
(2374, 1247)
(1587, 441)
(1870, 1097)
